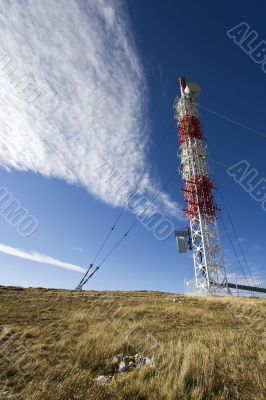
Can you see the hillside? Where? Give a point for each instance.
(57, 345)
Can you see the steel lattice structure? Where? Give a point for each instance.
(201, 211)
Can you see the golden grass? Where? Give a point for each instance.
(53, 343)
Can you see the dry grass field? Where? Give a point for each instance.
(55, 343)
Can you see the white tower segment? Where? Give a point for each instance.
(210, 273)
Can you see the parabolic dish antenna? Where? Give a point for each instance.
(192, 89)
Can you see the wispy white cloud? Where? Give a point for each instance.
(39, 258)
(92, 105)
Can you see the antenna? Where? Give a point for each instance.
(183, 240)
(192, 89)
(201, 211)
(202, 236)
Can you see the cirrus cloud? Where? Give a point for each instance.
(39, 258)
(92, 103)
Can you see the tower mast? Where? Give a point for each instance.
(201, 211)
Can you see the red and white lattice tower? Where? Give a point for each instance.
(201, 211)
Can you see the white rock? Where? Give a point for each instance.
(148, 361)
(122, 366)
(118, 358)
(131, 365)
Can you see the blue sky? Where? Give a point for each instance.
(105, 79)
